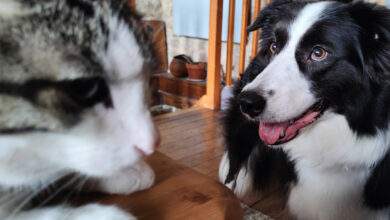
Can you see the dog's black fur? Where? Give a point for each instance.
(354, 83)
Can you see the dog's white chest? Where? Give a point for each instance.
(330, 194)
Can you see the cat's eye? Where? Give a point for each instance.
(273, 47)
(89, 91)
(318, 54)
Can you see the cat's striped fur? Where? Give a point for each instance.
(73, 99)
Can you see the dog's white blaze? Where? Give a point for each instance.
(292, 95)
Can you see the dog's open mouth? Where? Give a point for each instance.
(282, 132)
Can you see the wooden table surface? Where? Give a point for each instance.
(179, 193)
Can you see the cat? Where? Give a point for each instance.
(73, 99)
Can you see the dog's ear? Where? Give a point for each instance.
(276, 10)
(374, 24)
(269, 15)
(374, 21)
(257, 24)
(376, 190)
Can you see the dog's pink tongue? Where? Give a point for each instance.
(271, 132)
(282, 132)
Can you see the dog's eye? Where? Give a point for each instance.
(273, 47)
(318, 54)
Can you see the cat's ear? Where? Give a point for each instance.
(376, 190)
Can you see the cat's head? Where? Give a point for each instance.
(74, 84)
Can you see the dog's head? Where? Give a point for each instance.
(315, 58)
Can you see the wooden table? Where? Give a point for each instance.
(179, 193)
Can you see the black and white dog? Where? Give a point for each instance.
(312, 110)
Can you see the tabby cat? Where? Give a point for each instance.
(73, 99)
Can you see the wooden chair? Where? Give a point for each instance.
(213, 97)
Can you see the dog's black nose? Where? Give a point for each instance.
(251, 103)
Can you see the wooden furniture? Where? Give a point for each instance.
(178, 92)
(212, 99)
(132, 4)
(179, 193)
(213, 96)
(244, 35)
(230, 41)
(255, 40)
(157, 34)
(166, 89)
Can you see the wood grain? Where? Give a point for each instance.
(193, 138)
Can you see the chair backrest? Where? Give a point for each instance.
(212, 99)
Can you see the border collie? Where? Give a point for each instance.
(312, 110)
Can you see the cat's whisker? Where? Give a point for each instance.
(60, 189)
(82, 184)
(77, 189)
(11, 198)
(82, 181)
(6, 197)
(27, 199)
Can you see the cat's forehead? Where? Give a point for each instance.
(58, 58)
(122, 57)
(69, 44)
